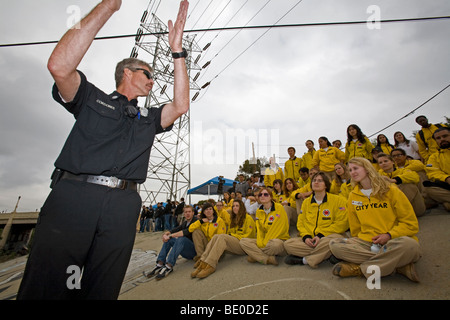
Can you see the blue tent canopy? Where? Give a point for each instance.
(211, 185)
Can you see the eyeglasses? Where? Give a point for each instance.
(145, 71)
(396, 155)
(263, 194)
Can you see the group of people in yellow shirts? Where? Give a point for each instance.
(356, 208)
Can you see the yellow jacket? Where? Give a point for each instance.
(345, 190)
(393, 214)
(229, 205)
(414, 165)
(358, 149)
(291, 199)
(438, 166)
(342, 190)
(273, 225)
(278, 198)
(308, 158)
(385, 148)
(402, 175)
(433, 147)
(270, 176)
(291, 168)
(301, 183)
(209, 229)
(322, 219)
(224, 215)
(326, 160)
(248, 230)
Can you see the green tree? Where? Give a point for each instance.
(249, 167)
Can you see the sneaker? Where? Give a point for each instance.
(333, 260)
(272, 260)
(346, 269)
(410, 272)
(153, 273)
(291, 259)
(163, 273)
(206, 271)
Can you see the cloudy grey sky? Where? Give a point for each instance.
(292, 85)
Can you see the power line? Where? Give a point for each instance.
(296, 25)
(411, 112)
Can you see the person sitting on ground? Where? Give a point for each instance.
(305, 191)
(384, 144)
(341, 184)
(322, 218)
(407, 180)
(205, 228)
(409, 146)
(304, 177)
(375, 152)
(176, 242)
(277, 192)
(272, 229)
(227, 201)
(383, 227)
(438, 170)
(251, 203)
(402, 161)
(242, 226)
(290, 189)
(222, 213)
(424, 137)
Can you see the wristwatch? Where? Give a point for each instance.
(182, 54)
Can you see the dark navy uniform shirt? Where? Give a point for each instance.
(104, 140)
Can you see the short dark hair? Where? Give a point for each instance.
(403, 152)
(441, 129)
(325, 179)
(129, 63)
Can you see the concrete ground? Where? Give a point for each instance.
(237, 279)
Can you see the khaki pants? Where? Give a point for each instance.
(218, 245)
(395, 253)
(415, 197)
(439, 195)
(273, 248)
(200, 242)
(313, 256)
(292, 215)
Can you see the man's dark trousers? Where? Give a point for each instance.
(88, 226)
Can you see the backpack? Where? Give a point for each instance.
(438, 125)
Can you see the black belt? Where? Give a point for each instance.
(111, 182)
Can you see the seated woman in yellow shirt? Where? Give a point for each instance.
(242, 225)
(208, 225)
(405, 179)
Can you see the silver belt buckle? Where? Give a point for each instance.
(113, 182)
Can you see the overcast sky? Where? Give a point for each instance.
(292, 85)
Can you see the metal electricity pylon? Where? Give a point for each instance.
(169, 171)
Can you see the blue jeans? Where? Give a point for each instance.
(159, 224)
(177, 246)
(167, 224)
